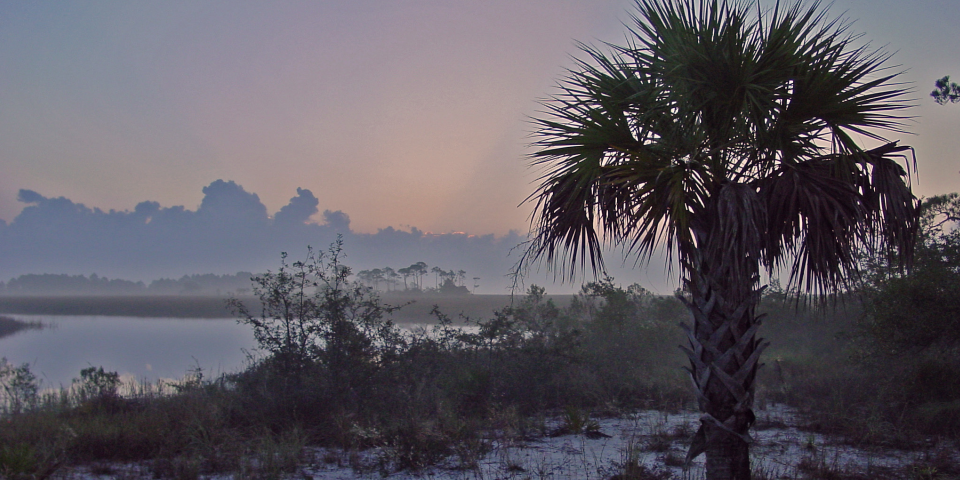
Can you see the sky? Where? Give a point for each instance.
(403, 114)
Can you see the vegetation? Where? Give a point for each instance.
(445, 282)
(336, 372)
(62, 284)
(9, 326)
(946, 91)
(729, 132)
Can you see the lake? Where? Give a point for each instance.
(142, 348)
(136, 347)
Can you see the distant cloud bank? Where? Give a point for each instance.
(230, 231)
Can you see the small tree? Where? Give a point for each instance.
(311, 313)
(18, 387)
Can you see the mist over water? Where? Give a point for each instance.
(232, 231)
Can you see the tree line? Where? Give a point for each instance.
(63, 284)
(412, 278)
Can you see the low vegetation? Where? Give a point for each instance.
(9, 326)
(335, 371)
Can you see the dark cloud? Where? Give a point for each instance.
(337, 220)
(232, 231)
(299, 210)
(228, 203)
(29, 196)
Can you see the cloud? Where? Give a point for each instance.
(228, 203)
(338, 221)
(29, 196)
(230, 231)
(299, 210)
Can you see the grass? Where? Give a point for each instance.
(10, 326)
(441, 393)
(422, 397)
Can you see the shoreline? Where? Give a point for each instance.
(471, 306)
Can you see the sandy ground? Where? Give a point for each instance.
(656, 440)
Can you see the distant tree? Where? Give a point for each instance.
(377, 276)
(405, 272)
(946, 91)
(445, 275)
(450, 288)
(418, 270)
(391, 277)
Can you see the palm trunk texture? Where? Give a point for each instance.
(723, 352)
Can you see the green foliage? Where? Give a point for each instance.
(16, 460)
(921, 309)
(338, 373)
(729, 133)
(883, 366)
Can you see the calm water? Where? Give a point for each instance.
(142, 348)
(135, 347)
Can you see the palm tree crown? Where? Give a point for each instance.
(715, 121)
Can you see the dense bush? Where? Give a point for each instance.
(335, 361)
(881, 364)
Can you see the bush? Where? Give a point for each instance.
(19, 388)
(337, 372)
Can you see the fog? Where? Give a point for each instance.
(231, 230)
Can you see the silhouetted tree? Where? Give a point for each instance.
(727, 135)
(405, 272)
(946, 91)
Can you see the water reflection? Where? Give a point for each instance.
(142, 348)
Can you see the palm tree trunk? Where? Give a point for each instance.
(723, 353)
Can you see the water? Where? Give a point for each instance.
(142, 348)
(145, 349)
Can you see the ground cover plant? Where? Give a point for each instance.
(441, 392)
(334, 370)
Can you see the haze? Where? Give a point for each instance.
(408, 114)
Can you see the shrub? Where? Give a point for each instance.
(19, 386)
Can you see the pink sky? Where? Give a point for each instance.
(400, 113)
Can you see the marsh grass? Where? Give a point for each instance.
(448, 394)
(10, 326)
(419, 397)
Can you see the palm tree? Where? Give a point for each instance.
(731, 135)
